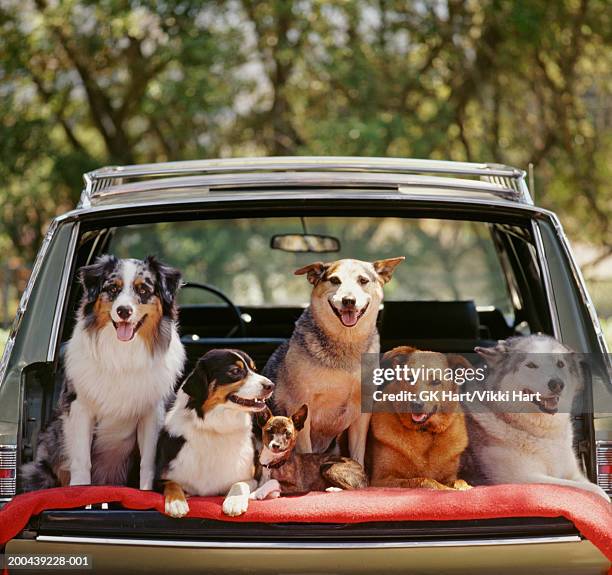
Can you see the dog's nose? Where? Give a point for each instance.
(417, 406)
(556, 385)
(348, 301)
(124, 312)
(269, 386)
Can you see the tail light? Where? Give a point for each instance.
(8, 471)
(604, 465)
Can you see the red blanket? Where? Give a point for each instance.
(591, 515)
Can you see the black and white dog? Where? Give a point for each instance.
(207, 444)
(121, 364)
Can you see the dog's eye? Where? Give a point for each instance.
(531, 365)
(235, 371)
(335, 280)
(435, 382)
(560, 364)
(112, 289)
(142, 289)
(287, 434)
(363, 281)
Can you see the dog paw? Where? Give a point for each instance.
(235, 505)
(176, 507)
(333, 489)
(146, 484)
(80, 478)
(269, 490)
(461, 485)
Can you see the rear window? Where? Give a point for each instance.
(446, 260)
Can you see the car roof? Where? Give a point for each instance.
(296, 177)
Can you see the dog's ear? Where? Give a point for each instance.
(168, 278)
(262, 417)
(397, 356)
(299, 417)
(315, 272)
(458, 364)
(196, 387)
(385, 268)
(495, 354)
(92, 276)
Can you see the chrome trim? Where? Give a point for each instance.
(8, 456)
(287, 163)
(603, 456)
(304, 195)
(236, 170)
(548, 287)
(61, 296)
(311, 544)
(86, 193)
(244, 181)
(8, 460)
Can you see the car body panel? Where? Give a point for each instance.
(535, 558)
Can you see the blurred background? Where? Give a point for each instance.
(89, 83)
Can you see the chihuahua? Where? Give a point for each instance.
(303, 472)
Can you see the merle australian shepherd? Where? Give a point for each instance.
(121, 365)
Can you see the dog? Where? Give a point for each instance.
(507, 446)
(420, 446)
(121, 363)
(206, 446)
(321, 364)
(303, 472)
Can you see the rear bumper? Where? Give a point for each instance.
(539, 555)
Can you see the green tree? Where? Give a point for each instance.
(90, 83)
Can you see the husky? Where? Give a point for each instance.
(321, 364)
(532, 444)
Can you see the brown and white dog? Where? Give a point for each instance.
(303, 472)
(207, 445)
(421, 446)
(321, 364)
(121, 364)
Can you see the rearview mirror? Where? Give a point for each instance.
(297, 243)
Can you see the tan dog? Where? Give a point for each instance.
(321, 364)
(420, 448)
(303, 472)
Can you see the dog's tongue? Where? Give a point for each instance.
(419, 417)
(125, 331)
(349, 317)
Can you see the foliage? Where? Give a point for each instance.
(3, 337)
(119, 81)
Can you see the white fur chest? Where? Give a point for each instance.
(217, 453)
(121, 380)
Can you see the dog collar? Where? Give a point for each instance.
(275, 464)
